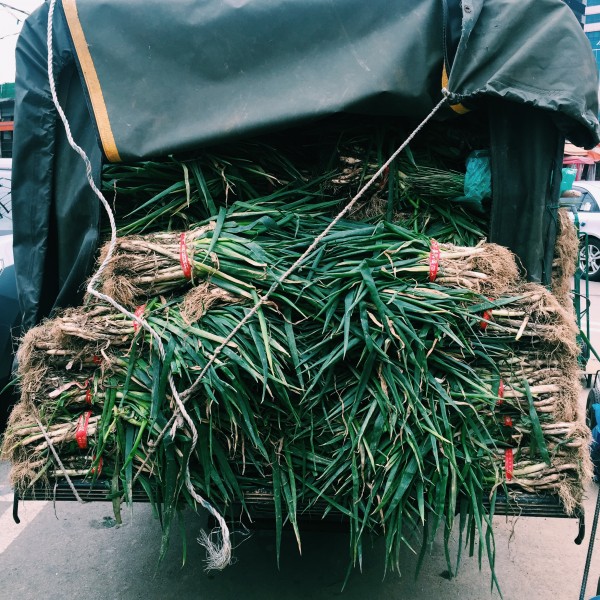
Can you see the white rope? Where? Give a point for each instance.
(218, 557)
(189, 391)
(60, 464)
(185, 395)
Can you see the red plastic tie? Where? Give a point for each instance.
(434, 260)
(82, 427)
(500, 393)
(508, 463)
(184, 259)
(139, 312)
(88, 393)
(508, 422)
(384, 180)
(97, 360)
(487, 316)
(98, 468)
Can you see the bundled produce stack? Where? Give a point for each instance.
(566, 255)
(399, 376)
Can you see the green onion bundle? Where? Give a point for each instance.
(316, 174)
(392, 379)
(226, 251)
(264, 413)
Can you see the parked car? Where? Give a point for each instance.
(9, 313)
(587, 209)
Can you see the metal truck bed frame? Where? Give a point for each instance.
(260, 502)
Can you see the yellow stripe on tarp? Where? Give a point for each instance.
(457, 108)
(91, 79)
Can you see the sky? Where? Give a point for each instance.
(10, 25)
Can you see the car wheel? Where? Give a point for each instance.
(593, 259)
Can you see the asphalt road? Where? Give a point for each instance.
(77, 551)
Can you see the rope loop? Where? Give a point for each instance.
(219, 554)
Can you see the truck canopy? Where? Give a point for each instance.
(142, 79)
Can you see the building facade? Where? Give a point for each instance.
(592, 27)
(7, 117)
(579, 8)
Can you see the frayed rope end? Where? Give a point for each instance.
(218, 555)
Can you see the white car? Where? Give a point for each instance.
(587, 209)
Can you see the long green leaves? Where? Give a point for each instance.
(363, 386)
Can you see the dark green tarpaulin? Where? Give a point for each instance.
(241, 67)
(164, 77)
(531, 52)
(55, 213)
